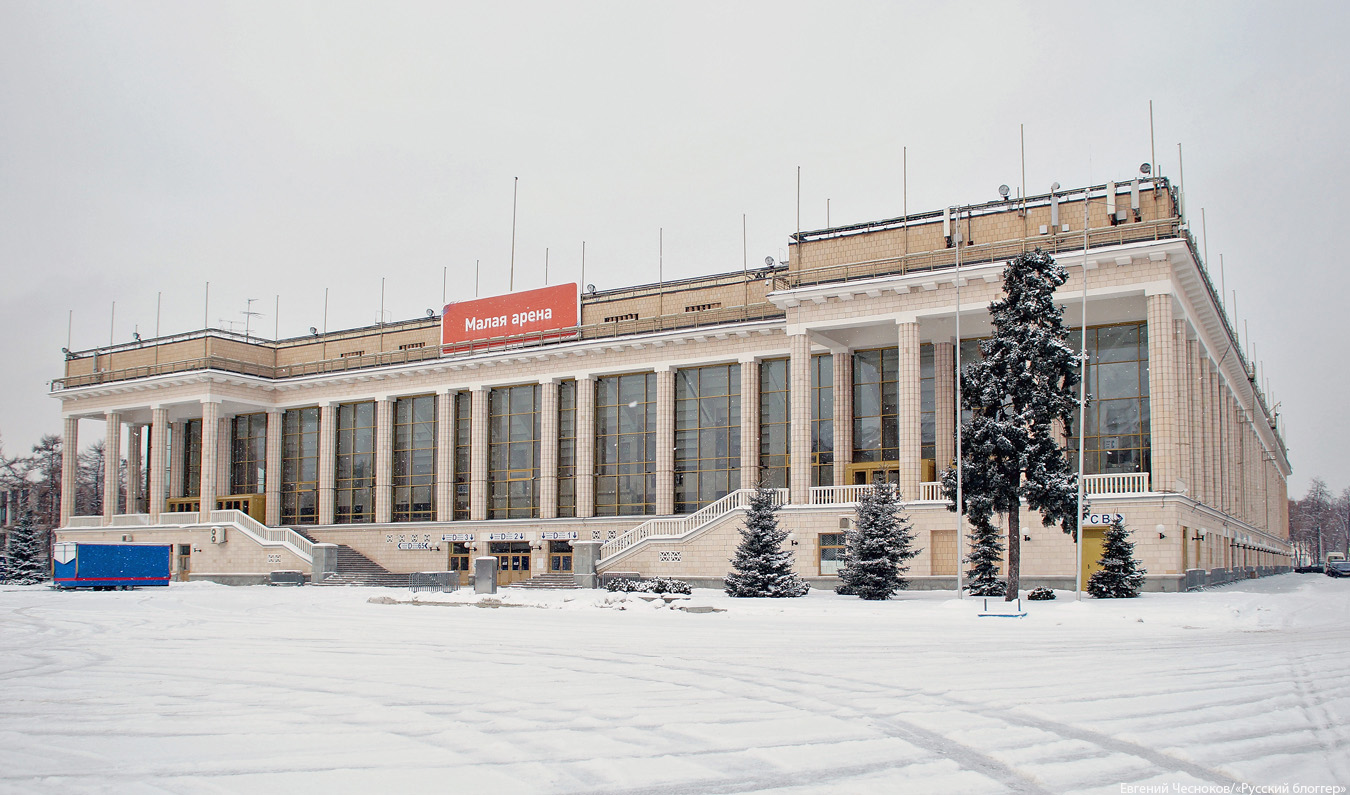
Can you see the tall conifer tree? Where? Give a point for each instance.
(1026, 381)
(877, 546)
(763, 567)
(27, 552)
(1120, 575)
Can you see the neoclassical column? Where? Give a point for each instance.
(327, 461)
(70, 454)
(210, 455)
(445, 456)
(1200, 488)
(841, 390)
(384, 459)
(272, 473)
(909, 435)
(1163, 392)
(478, 455)
(1184, 387)
(159, 448)
(799, 414)
(224, 454)
(585, 446)
(749, 423)
(665, 441)
(112, 463)
(134, 470)
(548, 448)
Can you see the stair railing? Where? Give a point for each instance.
(677, 526)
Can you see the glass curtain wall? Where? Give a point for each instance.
(463, 457)
(192, 459)
(1117, 432)
(774, 424)
(300, 466)
(248, 454)
(513, 452)
(567, 448)
(625, 445)
(822, 419)
(876, 405)
(707, 435)
(414, 476)
(355, 464)
(927, 414)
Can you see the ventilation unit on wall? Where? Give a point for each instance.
(126, 539)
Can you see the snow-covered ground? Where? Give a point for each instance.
(205, 688)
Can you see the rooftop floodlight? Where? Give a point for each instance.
(1145, 169)
(313, 331)
(590, 288)
(431, 313)
(1054, 186)
(768, 262)
(1003, 191)
(136, 336)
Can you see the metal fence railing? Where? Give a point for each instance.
(433, 581)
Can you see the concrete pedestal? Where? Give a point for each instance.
(585, 554)
(325, 562)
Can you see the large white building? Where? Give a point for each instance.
(623, 439)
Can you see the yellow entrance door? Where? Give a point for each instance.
(184, 562)
(1092, 551)
(868, 473)
(942, 549)
(560, 557)
(513, 567)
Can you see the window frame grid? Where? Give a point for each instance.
(405, 480)
(351, 451)
(502, 502)
(721, 464)
(248, 453)
(293, 490)
(624, 472)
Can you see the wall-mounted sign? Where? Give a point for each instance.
(506, 536)
(457, 537)
(414, 545)
(529, 312)
(1103, 518)
(559, 535)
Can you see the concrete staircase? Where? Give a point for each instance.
(546, 581)
(353, 568)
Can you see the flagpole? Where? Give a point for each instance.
(960, 506)
(1082, 405)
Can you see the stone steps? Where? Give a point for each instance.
(546, 581)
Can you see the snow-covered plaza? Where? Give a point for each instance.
(201, 687)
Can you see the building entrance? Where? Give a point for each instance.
(1092, 551)
(560, 557)
(513, 560)
(865, 474)
(184, 562)
(459, 557)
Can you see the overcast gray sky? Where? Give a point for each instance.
(275, 149)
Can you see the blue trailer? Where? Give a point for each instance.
(105, 566)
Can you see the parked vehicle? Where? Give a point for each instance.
(106, 567)
(1337, 565)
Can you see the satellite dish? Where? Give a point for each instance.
(313, 331)
(1054, 186)
(1145, 169)
(1003, 191)
(768, 262)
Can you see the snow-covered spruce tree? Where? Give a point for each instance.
(877, 546)
(27, 552)
(762, 566)
(1120, 575)
(1026, 381)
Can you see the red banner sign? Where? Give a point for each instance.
(510, 315)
